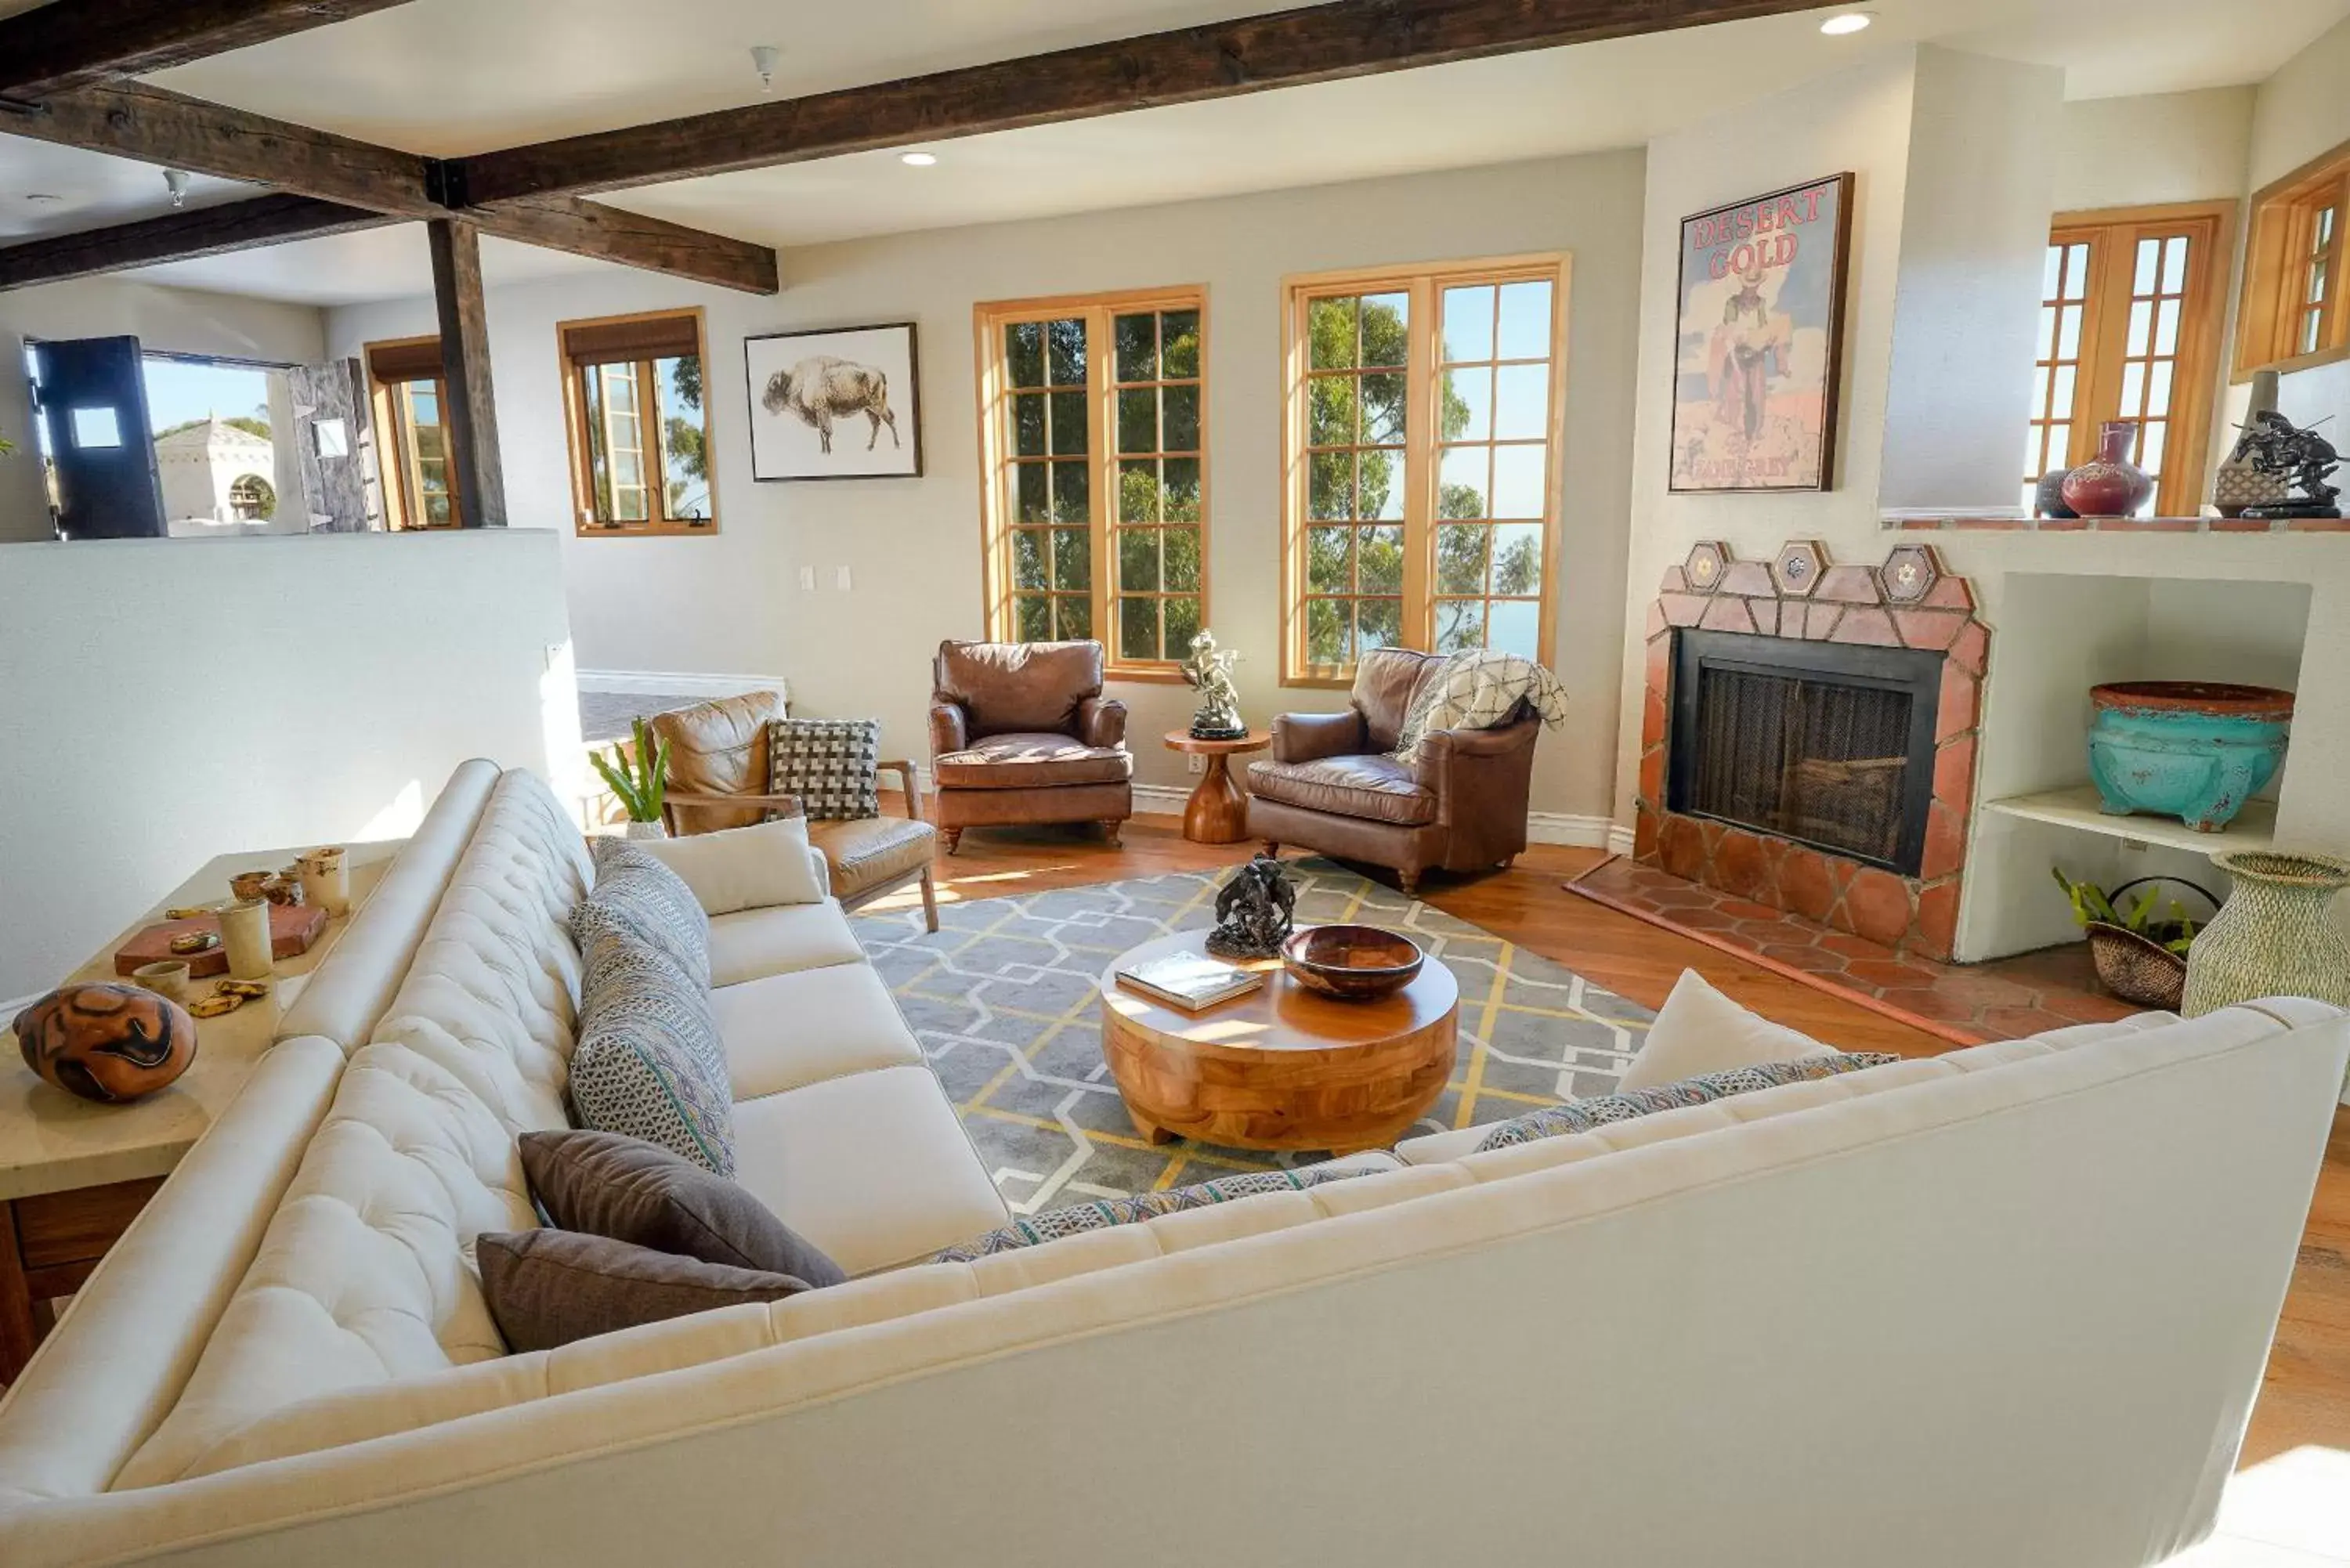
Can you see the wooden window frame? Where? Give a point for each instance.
(399, 461)
(2112, 235)
(997, 510)
(1424, 284)
(574, 425)
(2276, 256)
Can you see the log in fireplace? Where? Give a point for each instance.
(1829, 744)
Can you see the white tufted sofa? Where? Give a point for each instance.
(2010, 1304)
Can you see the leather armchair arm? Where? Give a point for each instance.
(682, 800)
(1309, 737)
(1101, 721)
(905, 772)
(1451, 762)
(950, 728)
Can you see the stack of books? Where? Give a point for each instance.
(1192, 981)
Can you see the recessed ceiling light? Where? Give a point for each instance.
(45, 198)
(918, 160)
(1845, 22)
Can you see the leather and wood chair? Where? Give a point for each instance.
(1331, 784)
(718, 778)
(1020, 734)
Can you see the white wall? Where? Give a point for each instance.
(732, 603)
(180, 320)
(169, 701)
(2153, 150)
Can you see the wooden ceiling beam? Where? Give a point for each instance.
(68, 44)
(181, 236)
(1188, 65)
(154, 125)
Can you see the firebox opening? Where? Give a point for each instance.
(1829, 744)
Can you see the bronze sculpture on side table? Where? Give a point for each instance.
(1210, 671)
(1253, 911)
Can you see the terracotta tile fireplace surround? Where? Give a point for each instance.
(1910, 602)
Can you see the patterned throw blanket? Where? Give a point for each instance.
(1478, 689)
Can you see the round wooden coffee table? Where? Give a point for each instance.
(1217, 812)
(1280, 1067)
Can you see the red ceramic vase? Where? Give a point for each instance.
(2109, 485)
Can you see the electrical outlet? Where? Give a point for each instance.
(1195, 764)
(808, 580)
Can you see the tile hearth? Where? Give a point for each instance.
(2006, 998)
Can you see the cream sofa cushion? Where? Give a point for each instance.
(788, 1030)
(788, 937)
(741, 868)
(873, 1167)
(1700, 1030)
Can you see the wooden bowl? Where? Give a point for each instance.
(1352, 963)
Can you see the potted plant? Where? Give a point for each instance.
(2139, 957)
(638, 776)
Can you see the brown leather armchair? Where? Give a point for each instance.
(1019, 732)
(719, 778)
(1331, 787)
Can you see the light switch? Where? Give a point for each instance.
(808, 580)
(840, 578)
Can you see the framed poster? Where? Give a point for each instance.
(1760, 339)
(835, 403)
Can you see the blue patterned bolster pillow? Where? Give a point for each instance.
(1100, 1213)
(1582, 1116)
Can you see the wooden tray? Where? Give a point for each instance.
(292, 930)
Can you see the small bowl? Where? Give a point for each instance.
(1352, 963)
(167, 978)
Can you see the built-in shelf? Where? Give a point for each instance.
(2254, 827)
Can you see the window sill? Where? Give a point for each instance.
(644, 530)
(1145, 674)
(2125, 524)
(2297, 362)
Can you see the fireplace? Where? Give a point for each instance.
(1826, 744)
(1808, 736)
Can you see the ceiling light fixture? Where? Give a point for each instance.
(176, 180)
(765, 59)
(1845, 22)
(43, 198)
(918, 160)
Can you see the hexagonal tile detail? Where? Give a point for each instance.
(1708, 559)
(1798, 570)
(1909, 575)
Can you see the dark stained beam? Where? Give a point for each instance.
(1189, 65)
(472, 417)
(74, 42)
(179, 236)
(131, 119)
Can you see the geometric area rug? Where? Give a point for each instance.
(1002, 998)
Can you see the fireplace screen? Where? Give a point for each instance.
(1827, 744)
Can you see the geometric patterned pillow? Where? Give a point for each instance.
(1100, 1213)
(636, 895)
(1582, 1116)
(832, 765)
(1478, 689)
(648, 1062)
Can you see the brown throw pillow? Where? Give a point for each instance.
(548, 1288)
(611, 1185)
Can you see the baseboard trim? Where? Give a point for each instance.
(1161, 799)
(662, 683)
(1565, 827)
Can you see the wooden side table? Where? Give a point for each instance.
(1217, 812)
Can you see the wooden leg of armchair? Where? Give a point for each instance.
(929, 899)
(1409, 880)
(954, 839)
(1110, 831)
(1272, 847)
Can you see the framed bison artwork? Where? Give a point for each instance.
(836, 403)
(1760, 342)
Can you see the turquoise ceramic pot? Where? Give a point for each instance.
(2187, 749)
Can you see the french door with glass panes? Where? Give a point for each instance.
(2129, 329)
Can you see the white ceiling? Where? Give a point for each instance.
(449, 76)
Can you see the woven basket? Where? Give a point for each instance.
(2137, 970)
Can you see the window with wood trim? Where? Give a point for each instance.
(2129, 328)
(2291, 315)
(634, 403)
(1093, 438)
(1421, 445)
(410, 392)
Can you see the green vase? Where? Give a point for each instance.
(2275, 936)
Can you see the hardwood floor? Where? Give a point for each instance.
(2306, 1399)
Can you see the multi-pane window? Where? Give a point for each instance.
(2294, 269)
(1093, 434)
(639, 424)
(2129, 321)
(412, 395)
(1422, 450)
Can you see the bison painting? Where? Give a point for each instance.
(823, 388)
